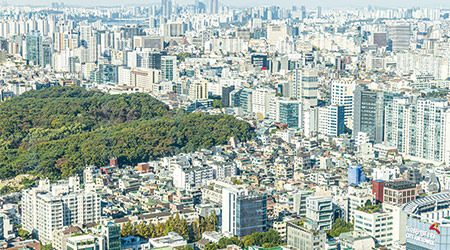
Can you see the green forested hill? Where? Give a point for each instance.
(56, 132)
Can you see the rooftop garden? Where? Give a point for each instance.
(370, 209)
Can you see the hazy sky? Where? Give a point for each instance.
(246, 3)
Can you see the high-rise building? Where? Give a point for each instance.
(331, 120)
(276, 33)
(379, 39)
(47, 207)
(226, 90)
(399, 36)
(169, 70)
(34, 48)
(261, 100)
(342, 94)
(368, 112)
(214, 6)
(417, 128)
(243, 212)
(290, 113)
(305, 86)
(355, 175)
(166, 8)
(246, 100)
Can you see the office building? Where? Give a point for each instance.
(276, 33)
(400, 192)
(226, 91)
(302, 235)
(259, 61)
(173, 29)
(379, 39)
(416, 127)
(169, 70)
(305, 87)
(48, 207)
(38, 51)
(331, 120)
(243, 212)
(368, 112)
(376, 223)
(355, 175)
(320, 211)
(399, 36)
(427, 224)
(342, 92)
(290, 113)
(300, 202)
(246, 100)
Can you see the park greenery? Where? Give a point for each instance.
(56, 132)
(267, 239)
(190, 232)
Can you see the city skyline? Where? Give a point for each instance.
(245, 4)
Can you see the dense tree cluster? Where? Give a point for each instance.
(56, 132)
(191, 232)
(267, 239)
(340, 226)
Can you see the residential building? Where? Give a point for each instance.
(416, 127)
(48, 207)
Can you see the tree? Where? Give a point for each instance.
(211, 246)
(187, 247)
(143, 230)
(47, 247)
(24, 234)
(128, 229)
(340, 226)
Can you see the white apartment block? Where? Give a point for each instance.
(419, 128)
(261, 100)
(187, 178)
(48, 207)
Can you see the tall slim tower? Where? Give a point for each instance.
(214, 6)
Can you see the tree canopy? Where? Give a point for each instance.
(56, 132)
